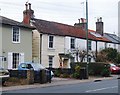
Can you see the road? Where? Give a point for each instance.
(104, 86)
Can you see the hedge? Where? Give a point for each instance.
(94, 68)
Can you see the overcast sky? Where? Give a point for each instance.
(65, 11)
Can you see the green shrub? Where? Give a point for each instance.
(64, 75)
(94, 68)
(77, 69)
(105, 72)
(76, 75)
(57, 73)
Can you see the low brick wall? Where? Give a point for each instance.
(23, 76)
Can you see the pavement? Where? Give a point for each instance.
(57, 82)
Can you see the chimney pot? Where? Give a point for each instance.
(29, 6)
(26, 6)
(100, 19)
(79, 20)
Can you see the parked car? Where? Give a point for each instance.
(114, 69)
(4, 75)
(36, 67)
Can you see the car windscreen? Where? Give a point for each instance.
(112, 65)
(37, 66)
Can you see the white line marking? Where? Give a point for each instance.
(101, 89)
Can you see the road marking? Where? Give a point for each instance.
(101, 89)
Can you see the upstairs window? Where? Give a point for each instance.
(15, 35)
(51, 41)
(72, 43)
(89, 45)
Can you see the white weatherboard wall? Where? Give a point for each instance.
(119, 23)
(0, 40)
(100, 46)
(46, 52)
(67, 44)
(112, 45)
(0, 46)
(79, 43)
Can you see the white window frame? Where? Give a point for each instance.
(10, 59)
(52, 60)
(49, 41)
(18, 35)
(72, 43)
(14, 66)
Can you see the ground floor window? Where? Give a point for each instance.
(16, 60)
(51, 61)
(2, 60)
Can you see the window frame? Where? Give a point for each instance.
(17, 38)
(50, 42)
(89, 45)
(72, 45)
(50, 61)
(16, 60)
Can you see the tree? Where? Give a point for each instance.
(81, 54)
(107, 55)
(118, 58)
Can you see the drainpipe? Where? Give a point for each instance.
(40, 48)
(96, 49)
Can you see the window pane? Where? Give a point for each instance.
(89, 45)
(16, 34)
(50, 61)
(50, 41)
(15, 60)
(72, 43)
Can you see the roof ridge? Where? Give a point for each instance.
(58, 23)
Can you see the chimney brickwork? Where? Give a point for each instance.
(82, 24)
(100, 26)
(27, 14)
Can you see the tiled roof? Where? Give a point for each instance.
(7, 21)
(54, 28)
(99, 37)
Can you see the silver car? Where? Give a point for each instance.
(4, 75)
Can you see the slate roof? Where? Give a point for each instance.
(7, 21)
(55, 28)
(112, 37)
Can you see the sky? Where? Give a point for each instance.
(66, 11)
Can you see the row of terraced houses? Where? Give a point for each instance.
(49, 43)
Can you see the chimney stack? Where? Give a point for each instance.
(100, 26)
(27, 14)
(82, 23)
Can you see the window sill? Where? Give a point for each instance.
(16, 42)
(51, 49)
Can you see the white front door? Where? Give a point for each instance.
(14, 59)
